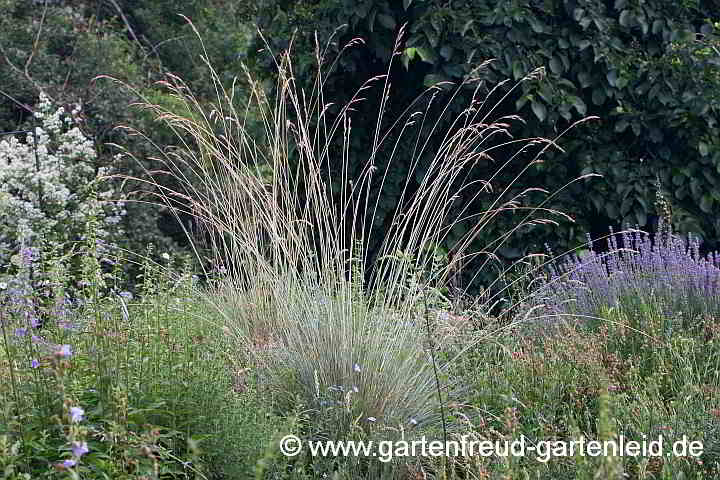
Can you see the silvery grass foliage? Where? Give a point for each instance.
(47, 199)
(295, 249)
(663, 270)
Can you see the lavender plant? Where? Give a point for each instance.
(664, 271)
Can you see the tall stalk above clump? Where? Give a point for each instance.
(296, 251)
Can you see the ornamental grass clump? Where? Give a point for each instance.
(330, 325)
(663, 271)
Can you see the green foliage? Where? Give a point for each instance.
(648, 69)
(60, 47)
(146, 384)
(625, 376)
(162, 32)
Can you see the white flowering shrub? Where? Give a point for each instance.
(49, 194)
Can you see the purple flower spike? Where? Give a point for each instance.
(79, 449)
(664, 269)
(69, 463)
(28, 255)
(20, 332)
(77, 414)
(34, 363)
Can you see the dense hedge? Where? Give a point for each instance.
(647, 68)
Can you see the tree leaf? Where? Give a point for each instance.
(641, 217)
(598, 96)
(612, 77)
(387, 21)
(517, 70)
(657, 26)
(453, 70)
(704, 149)
(611, 209)
(626, 206)
(556, 66)
(706, 203)
(371, 19)
(536, 26)
(695, 188)
(520, 103)
(584, 79)
(426, 55)
(579, 105)
(539, 110)
(432, 36)
(626, 18)
(406, 4)
(436, 23)
(465, 28)
(656, 135)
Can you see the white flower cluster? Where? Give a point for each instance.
(48, 194)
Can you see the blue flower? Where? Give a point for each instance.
(80, 448)
(356, 368)
(69, 463)
(64, 352)
(77, 414)
(34, 363)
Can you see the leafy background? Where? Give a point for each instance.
(647, 69)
